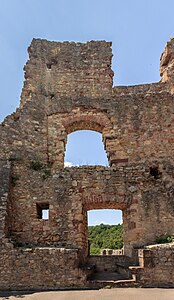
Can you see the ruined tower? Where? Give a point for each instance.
(69, 87)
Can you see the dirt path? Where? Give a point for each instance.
(112, 294)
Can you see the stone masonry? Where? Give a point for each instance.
(68, 87)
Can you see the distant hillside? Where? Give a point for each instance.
(105, 237)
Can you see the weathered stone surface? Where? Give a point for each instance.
(4, 196)
(68, 87)
(156, 265)
(40, 268)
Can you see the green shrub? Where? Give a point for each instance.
(14, 158)
(14, 178)
(165, 239)
(94, 250)
(36, 165)
(47, 173)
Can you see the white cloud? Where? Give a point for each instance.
(68, 164)
(97, 222)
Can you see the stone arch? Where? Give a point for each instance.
(86, 122)
(61, 124)
(94, 200)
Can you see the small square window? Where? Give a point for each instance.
(49, 66)
(42, 211)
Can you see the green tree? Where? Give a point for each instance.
(105, 237)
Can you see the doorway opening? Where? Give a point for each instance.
(105, 232)
(85, 147)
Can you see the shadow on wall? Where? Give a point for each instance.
(16, 294)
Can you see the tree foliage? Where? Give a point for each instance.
(105, 237)
(165, 239)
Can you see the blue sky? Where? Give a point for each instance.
(80, 152)
(138, 29)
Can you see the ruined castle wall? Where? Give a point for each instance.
(156, 266)
(68, 86)
(109, 263)
(146, 203)
(68, 70)
(134, 130)
(40, 268)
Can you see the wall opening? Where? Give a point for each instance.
(49, 66)
(85, 147)
(105, 232)
(42, 210)
(154, 171)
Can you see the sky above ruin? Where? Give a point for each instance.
(138, 30)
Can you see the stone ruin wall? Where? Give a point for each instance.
(68, 87)
(72, 192)
(136, 122)
(156, 266)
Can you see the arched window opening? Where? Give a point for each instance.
(105, 232)
(85, 147)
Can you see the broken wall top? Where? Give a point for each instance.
(68, 87)
(68, 69)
